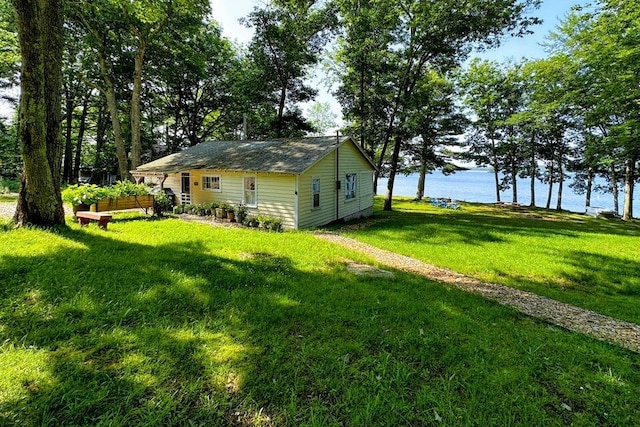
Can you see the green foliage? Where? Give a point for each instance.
(223, 326)
(128, 188)
(162, 203)
(269, 222)
(10, 159)
(383, 72)
(9, 186)
(289, 38)
(86, 194)
(90, 193)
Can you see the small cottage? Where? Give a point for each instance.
(306, 182)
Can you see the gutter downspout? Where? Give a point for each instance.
(296, 214)
(337, 176)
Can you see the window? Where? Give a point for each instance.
(315, 191)
(211, 183)
(350, 186)
(250, 198)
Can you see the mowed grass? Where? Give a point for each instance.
(163, 322)
(588, 262)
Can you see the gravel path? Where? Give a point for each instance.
(8, 209)
(567, 316)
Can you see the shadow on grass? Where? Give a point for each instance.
(171, 334)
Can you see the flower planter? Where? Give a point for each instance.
(122, 203)
(232, 216)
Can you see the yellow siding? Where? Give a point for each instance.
(350, 161)
(230, 187)
(276, 197)
(275, 193)
(324, 170)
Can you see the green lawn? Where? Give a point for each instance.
(162, 322)
(588, 262)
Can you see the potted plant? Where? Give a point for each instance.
(225, 209)
(251, 221)
(231, 214)
(241, 212)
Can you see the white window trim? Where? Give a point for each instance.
(313, 193)
(255, 191)
(215, 190)
(346, 187)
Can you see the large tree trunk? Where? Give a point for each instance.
(136, 145)
(388, 197)
(629, 178)
(40, 33)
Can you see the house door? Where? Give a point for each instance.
(185, 191)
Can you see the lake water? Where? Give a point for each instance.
(477, 185)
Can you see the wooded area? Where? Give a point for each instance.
(143, 79)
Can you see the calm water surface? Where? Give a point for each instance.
(477, 185)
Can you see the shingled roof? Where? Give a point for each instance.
(292, 155)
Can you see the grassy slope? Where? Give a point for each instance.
(165, 322)
(592, 263)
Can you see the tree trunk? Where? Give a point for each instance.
(112, 105)
(421, 181)
(283, 98)
(101, 128)
(629, 178)
(68, 146)
(388, 197)
(53, 34)
(560, 186)
(590, 174)
(514, 184)
(548, 205)
(496, 172)
(533, 169)
(136, 145)
(81, 128)
(614, 188)
(40, 34)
